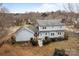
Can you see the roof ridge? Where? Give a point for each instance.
(29, 29)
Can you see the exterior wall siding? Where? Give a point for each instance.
(53, 35)
(49, 28)
(23, 35)
(57, 31)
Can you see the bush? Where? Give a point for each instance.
(44, 14)
(33, 42)
(13, 41)
(46, 41)
(59, 52)
(66, 37)
(1, 43)
(60, 39)
(53, 39)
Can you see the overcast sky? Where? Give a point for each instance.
(28, 7)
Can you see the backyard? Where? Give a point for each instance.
(47, 50)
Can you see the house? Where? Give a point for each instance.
(24, 33)
(50, 28)
(45, 28)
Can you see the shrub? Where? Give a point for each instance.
(44, 14)
(60, 38)
(46, 41)
(33, 42)
(59, 52)
(13, 41)
(53, 39)
(65, 37)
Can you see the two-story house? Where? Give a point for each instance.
(50, 28)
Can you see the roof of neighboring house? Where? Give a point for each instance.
(50, 22)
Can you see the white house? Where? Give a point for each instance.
(50, 28)
(24, 34)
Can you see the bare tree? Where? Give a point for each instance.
(71, 7)
(3, 9)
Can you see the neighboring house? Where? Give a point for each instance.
(50, 28)
(24, 33)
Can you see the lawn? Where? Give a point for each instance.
(47, 50)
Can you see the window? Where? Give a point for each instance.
(52, 34)
(44, 27)
(45, 33)
(40, 34)
(59, 33)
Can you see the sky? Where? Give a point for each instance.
(33, 7)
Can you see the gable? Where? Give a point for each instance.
(23, 29)
(23, 35)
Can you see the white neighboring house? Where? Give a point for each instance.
(50, 28)
(24, 34)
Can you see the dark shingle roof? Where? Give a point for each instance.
(49, 22)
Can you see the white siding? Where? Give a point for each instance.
(43, 34)
(57, 31)
(51, 28)
(54, 35)
(23, 35)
